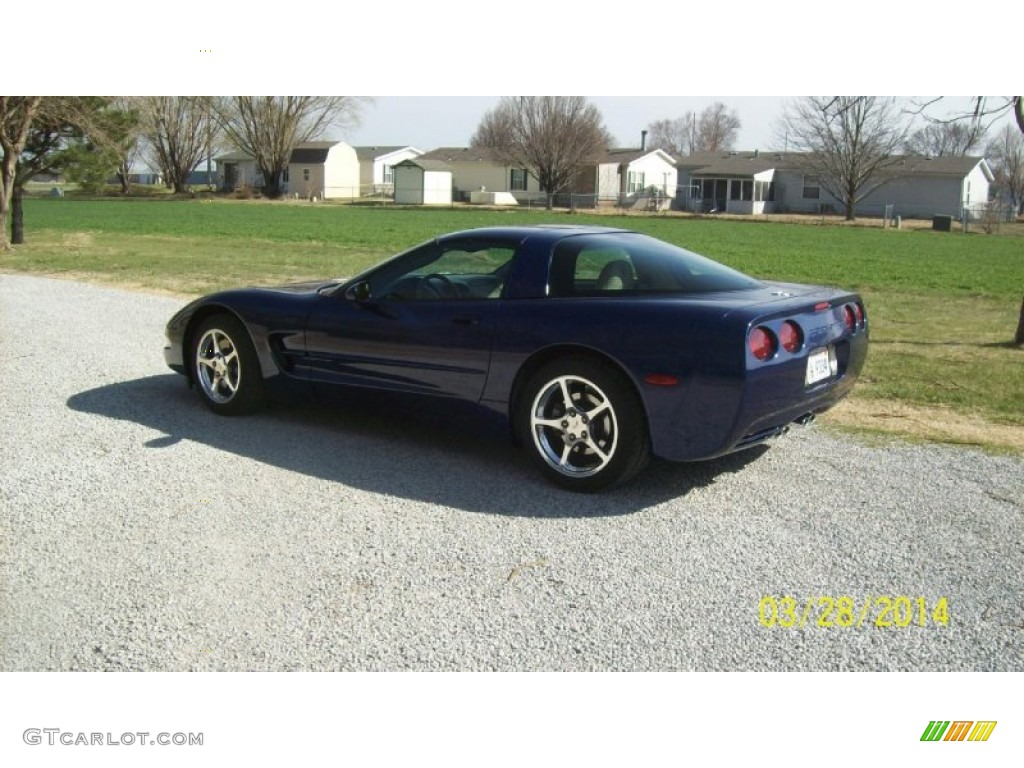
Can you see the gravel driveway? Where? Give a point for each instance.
(140, 532)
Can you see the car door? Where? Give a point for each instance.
(421, 323)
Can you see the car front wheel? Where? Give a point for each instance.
(583, 424)
(225, 366)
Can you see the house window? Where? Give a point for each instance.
(284, 176)
(389, 174)
(812, 189)
(741, 189)
(764, 191)
(695, 189)
(305, 174)
(634, 182)
(517, 182)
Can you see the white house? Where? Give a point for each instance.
(321, 169)
(773, 182)
(624, 175)
(376, 166)
(420, 181)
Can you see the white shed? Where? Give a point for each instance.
(423, 182)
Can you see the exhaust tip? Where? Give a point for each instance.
(806, 420)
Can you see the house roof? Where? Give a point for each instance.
(943, 166)
(463, 155)
(310, 152)
(372, 153)
(629, 154)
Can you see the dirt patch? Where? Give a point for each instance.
(935, 424)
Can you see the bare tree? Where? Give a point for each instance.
(494, 130)
(717, 128)
(178, 130)
(17, 113)
(714, 129)
(984, 110)
(1006, 156)
(851, 142)
(675, 135)
(269, 127)
(552, 137)
(946, 139)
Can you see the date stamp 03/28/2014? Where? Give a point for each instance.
(846, 611)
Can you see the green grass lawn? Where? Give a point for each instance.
(943, 306)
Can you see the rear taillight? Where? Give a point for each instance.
(762, 343)
(850, 317)
(790, 336)
(858, 310)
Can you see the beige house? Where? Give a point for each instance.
(323, 170)
(480, 169)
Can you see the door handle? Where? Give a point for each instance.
(466, 320)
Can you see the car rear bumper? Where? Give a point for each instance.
(712, 417)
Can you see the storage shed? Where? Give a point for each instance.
(423, 182)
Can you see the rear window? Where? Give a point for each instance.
(613, 264)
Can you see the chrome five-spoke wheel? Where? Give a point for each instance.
(573, 426)
(225, 366)
(584, 424)
(217, 365)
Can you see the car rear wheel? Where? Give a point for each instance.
(583, 424)
(225, 366)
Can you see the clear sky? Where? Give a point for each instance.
(442, 65)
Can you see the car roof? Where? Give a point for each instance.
(550, 232)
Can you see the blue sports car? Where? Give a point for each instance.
(602, 347)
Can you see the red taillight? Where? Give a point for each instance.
(858, 310)
(790, 336)
(851, 318)
(762, 343)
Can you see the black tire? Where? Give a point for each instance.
(592, 438)
(225, 367)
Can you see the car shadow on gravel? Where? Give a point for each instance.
(422, 449)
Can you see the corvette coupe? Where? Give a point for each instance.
(602, 347)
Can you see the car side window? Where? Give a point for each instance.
(630, 263)
(462, 271)
(599, 270)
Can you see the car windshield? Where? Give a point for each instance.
(612, 264)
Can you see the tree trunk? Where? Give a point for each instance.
(272, 183)
(17, 217)
(122, 176)
(1019, 338)
(550, 201)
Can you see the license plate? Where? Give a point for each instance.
(821, 364)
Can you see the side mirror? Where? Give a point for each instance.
(359, 293)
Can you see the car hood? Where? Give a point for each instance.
(310, 286)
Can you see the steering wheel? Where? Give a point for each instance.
(438, 286)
